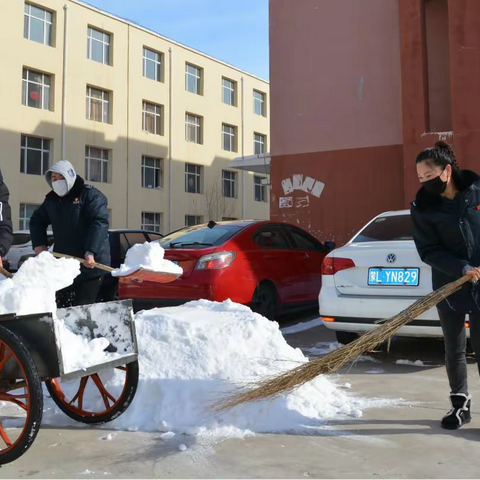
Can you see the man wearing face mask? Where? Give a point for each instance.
(446, 230)
(79, 218)
(6, 234)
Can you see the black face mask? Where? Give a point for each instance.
(436, 185)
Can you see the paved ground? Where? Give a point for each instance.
(400, 442)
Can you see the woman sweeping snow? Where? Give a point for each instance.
(446, 230)
(79, 217)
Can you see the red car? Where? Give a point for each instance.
(269, 266)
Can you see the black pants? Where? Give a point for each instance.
(453, 326)
(82, 292)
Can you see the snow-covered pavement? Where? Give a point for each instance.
(403, 440)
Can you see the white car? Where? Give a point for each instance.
(374, 276)
(22, 245)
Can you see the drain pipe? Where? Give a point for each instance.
(64, 81)
(170, 141)
(244, 174)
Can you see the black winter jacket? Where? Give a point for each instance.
(79, 223)
(447, 236)
(6, 229)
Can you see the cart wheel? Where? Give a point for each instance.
(91, 399)
(22, 398)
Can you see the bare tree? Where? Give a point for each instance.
(213, 205)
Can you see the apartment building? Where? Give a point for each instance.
(153, 124)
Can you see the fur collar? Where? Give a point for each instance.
(464, 179)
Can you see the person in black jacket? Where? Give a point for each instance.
(446, 231)
(6, 230)
(79, 217)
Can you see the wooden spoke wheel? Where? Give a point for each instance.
(21, 397)
(92, 399)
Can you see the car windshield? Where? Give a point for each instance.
(20, 238)
(199, 237)
(387, 229)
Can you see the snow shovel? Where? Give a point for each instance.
(140, 275)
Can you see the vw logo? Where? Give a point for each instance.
(391, 258)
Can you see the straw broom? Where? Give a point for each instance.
(331, 363)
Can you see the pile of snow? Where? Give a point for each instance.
(192, 355)
(149, 256)
(33, 287)
(416, 363)
(32, 290)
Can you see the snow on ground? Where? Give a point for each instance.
(148, 256)
(301, 327)
(416, 363)
(191, 356)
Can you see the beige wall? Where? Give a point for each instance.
(124, 136)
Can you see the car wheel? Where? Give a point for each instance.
(265, 301)
(346, 337)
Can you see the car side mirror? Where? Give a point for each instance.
(330, 245)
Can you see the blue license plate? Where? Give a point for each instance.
(394, 277)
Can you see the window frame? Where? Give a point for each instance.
(263, 189)
(157, 117)
(105, 104)
(262, 143)
(259, 98)
(104, 164)
(230, 136)
(44, 164)
(22, 215)
(144, 224)
(232, 89)
(198, 136)
(197, 76)
(198, 220)
(108, 45)
(158, 64)
(43, 86)
(197, 178)
(231, 180)
(27, 17)
(155, 168)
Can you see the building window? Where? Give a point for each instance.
(229, 138)
(152, 172)
(193, 178)
(259, 103)
(259, 143)
(36, 89)
(193, 128)
(260, 189)
(229, 181)
(193, 79)
(96, 164)
(98, 105)
(151, 222)
(34, 155)
(192, 220)
(229, 91)
(152, 118)
(26, 212)
(152, 65)
(98, 46)
(38, 24)
(229, 219)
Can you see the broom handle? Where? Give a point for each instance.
(83, 261)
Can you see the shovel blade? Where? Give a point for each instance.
(145, 275)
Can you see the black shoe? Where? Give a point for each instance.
(460, 413)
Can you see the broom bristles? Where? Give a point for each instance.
(332, 362)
